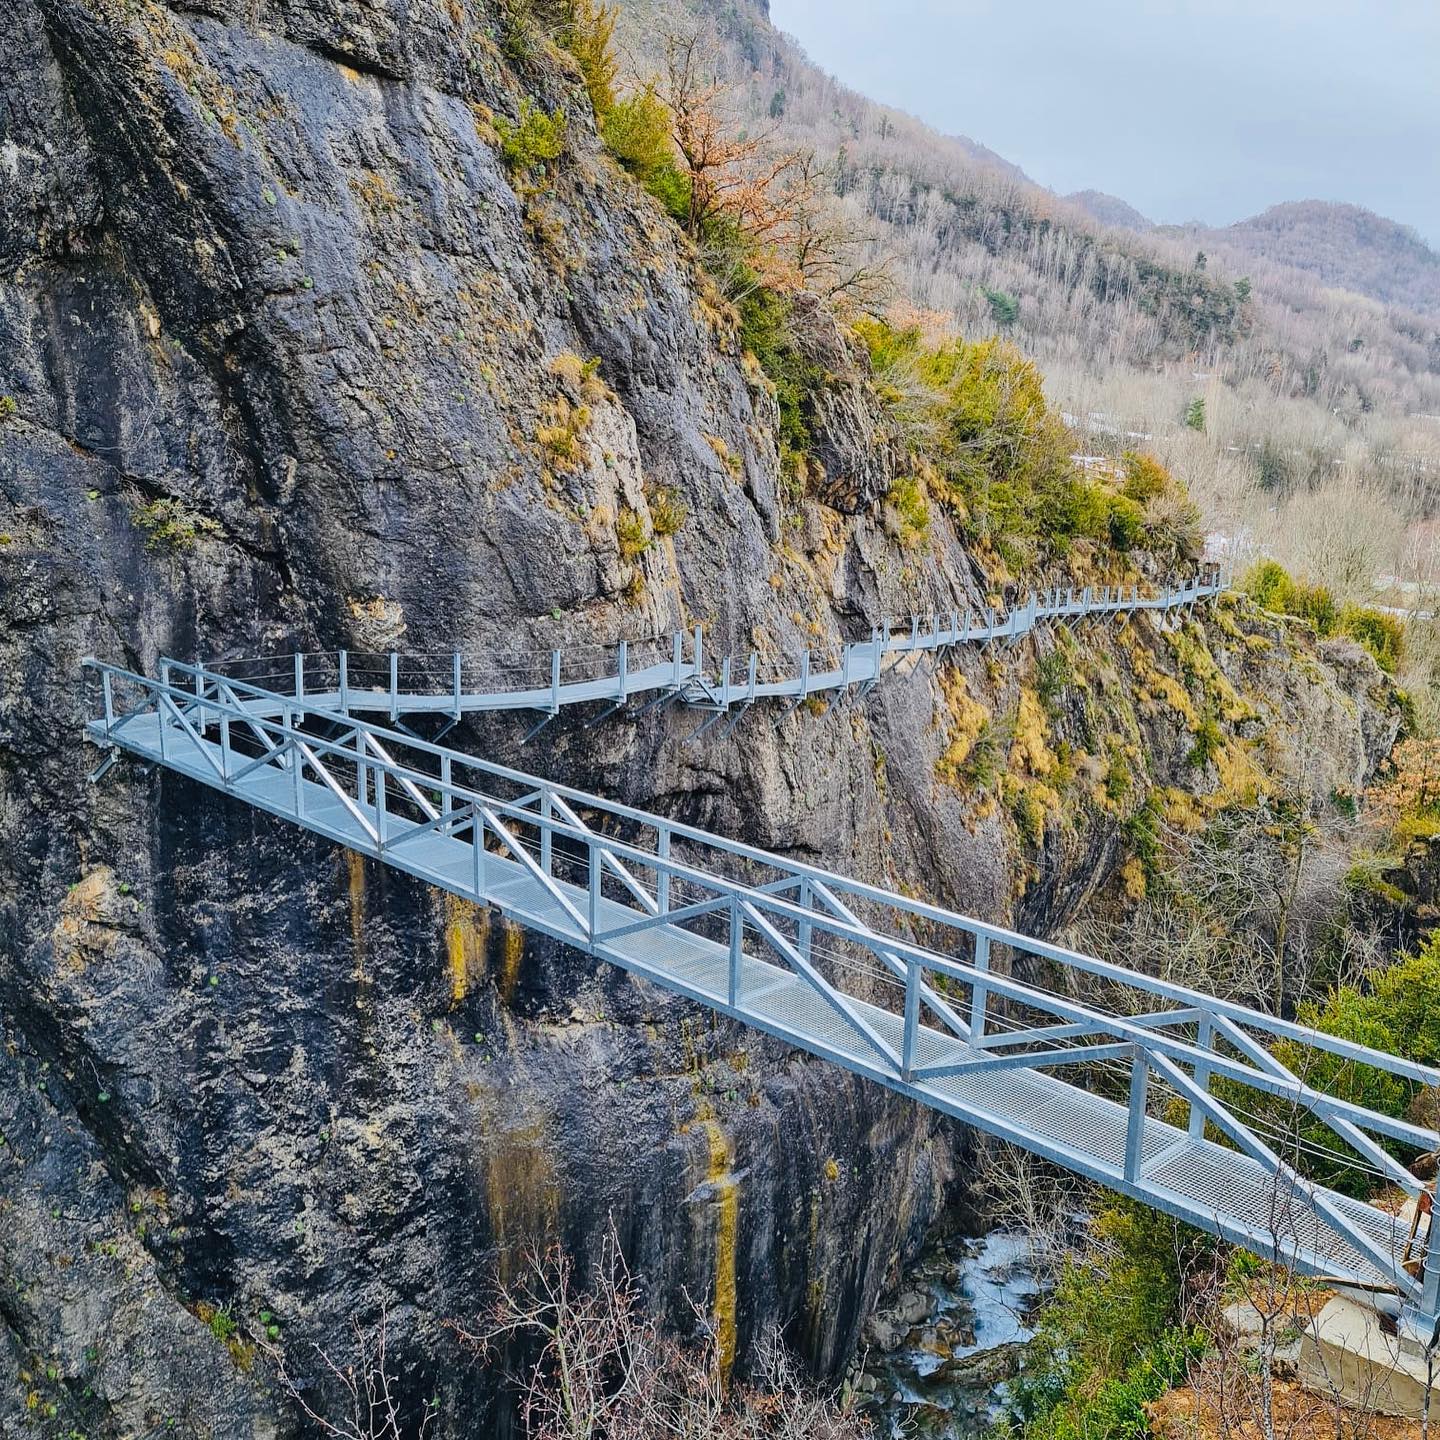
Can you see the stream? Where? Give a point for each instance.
(941, 1353)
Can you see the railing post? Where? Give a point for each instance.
(224, 746)
(954, 627)
(297, 778)
(737, 943)
(455, 679)
(107, 694)
(380, 809)
(912, 1018)
(299, 675)
(477, 858)
(200, 722)
(447, 800)
(844, 666)
(344, 680)
(677, 645)
(624, 670)
(662, 877)
(554, 682)
(699, 652)
(804, 673)
(878, 644)
(1206, 1039)
(1430, 1271)
(753, 678)
(547, 809)
(804, 927)
(1135, 1121)
(394, 685)
(725, 681)
(162, 699)
(914, 632)
(594, 911)
(980, 992)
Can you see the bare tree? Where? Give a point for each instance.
(369, 1385)
(605, 1370)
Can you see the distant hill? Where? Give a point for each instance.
(1083, 283)
(1110, 210)
(1341, 245)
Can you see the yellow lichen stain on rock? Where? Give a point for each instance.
(522, 1196)
(512, 952)
(726, 1191)
(467, 928)
(356, 864)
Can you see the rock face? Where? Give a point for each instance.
(294, 361)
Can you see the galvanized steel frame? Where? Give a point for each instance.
(401, 799)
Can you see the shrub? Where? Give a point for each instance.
(1117, 777)
(631, 533)
(1395, 1010)
(1411, 786)
(637, 130)
(1029, 813)
(1053, 675)
(7, 408)
(668, 511)
(533, 141)
(1006, 454)
(172, 525)
(1208, 743)
(1195, 414)
(1145, 477)
(1109, 1340)
(1126, 521)
(1381, 634)
(983, 766)
(765, 332)
(1276, 590)
(562, 432)
(906, 497)
(587, 32)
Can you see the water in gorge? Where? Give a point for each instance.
(940, 1355)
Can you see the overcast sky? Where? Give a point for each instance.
(1188, 109)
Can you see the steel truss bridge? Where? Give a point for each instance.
(1152, 1089)
(658, 671)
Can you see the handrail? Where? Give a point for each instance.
(918, 909)
(832, 924)
(853, 665)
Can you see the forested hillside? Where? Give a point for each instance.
(1344, 246)
(1289, 407)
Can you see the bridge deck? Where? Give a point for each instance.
(1192, 1177)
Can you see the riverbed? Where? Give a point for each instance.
(941, 1353)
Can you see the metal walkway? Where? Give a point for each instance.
(659, 670)
(902, 992)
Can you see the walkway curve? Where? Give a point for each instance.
(658, 671)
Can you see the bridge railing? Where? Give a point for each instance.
(863, 951)
(689, 663)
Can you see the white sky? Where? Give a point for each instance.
(1188, 109)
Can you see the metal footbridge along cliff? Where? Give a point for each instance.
(676, 668)
(1152, 1089)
